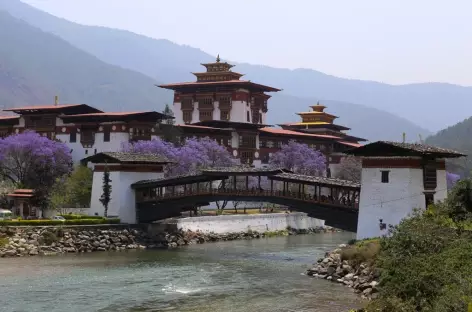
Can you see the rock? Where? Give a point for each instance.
(329, 278)
(331, 270)
(349, 276)
(327, 260)
(367, 291)
(373, 284)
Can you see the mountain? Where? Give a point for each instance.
(169, 62)
(456, 137)
(35, 66)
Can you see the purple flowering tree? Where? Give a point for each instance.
(194, 154)
(451, 179)
(33, 161)
(299, 158)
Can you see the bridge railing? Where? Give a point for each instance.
(326, 200)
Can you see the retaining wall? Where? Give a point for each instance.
(242, 223)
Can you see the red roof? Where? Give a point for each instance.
(62, 108)
(295, 133)
(199, 127)
(9, 117)
(24, 191)
(108, 114)
(353, 144)
(42, 107)
(174, 86)
(20, 195)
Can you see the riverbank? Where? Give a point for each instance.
(32, 241)
(352, 266)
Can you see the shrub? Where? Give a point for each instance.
(47, 238)
(361, 252)
(58, 222)
(4, 241)
(76, 216)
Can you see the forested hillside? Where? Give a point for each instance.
(166, 61)
(35, 66)
(457, 137)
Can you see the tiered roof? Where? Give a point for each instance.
(218, 74)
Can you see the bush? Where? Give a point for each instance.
(425, 265)
(4, 241)
(48, 238)
(58, 222)
(362, 251)
(76, 216)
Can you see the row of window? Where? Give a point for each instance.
(204, 115)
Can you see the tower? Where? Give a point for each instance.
(219, 94)
(396, 179)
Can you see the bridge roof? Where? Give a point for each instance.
(312, 180)
(176, 180)
(126, 158)
(392, 149)
(242, 170)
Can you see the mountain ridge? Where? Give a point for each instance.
(144, 95)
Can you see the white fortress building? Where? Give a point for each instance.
(396, 179)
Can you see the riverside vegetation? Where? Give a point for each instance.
(423, 265)
(31, 241)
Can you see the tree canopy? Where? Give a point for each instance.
(33, 161)
(299, 158)
(194, 154)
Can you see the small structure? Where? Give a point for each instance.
(125, 169)
(21, 204)
(396, 179)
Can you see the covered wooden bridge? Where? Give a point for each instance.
(333, 200)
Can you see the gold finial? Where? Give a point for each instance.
(318, 103)
(218, 58)
(56, 100)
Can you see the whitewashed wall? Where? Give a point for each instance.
(391, 201)
(242, 223)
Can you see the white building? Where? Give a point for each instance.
(125, 169)
(396, 179)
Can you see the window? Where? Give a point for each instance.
(106, 134)
(73, 135)
(187, 103)
(248, 117)
(385, 174)
(225, 101)
(429, 199)
(205, 103)
(224, 115)
(262, 143)
(328, 172)
(95, 151)
(206, 115)
(247, 141)
(86, 152)
(187, 116)
(87, 136)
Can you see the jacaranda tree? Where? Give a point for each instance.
(451, 179)
(194, 154)
(299, 158)
(33, 161)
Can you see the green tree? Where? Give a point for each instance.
(73, 191)
(168, 111)
(79, 184)
(106, 195)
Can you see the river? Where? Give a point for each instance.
(249, 275)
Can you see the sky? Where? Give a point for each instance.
(391, 41)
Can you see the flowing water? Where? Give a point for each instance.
(250, 275)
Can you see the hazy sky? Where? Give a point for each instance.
(394, 41)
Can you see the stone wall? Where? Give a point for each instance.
(31, 241)
(258, 222)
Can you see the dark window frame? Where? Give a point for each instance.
(385, 176)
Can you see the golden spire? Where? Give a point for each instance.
(56, 100)
(218, 58)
